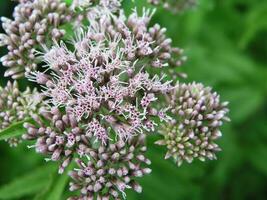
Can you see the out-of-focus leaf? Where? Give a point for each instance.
(255, 21)
(255, 149)
(43, 194)
(244, 101)
(56, 188)
(227, 159)
(164, 177)
(14, 130)
(28, 184)
(258, 158)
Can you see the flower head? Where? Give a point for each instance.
(109, 170)
(35, 23)
(105, 82)
(198, 116)
(60, 140)
(16, 106)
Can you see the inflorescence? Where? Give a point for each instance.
(36, 23)
(103, 92)
(17, 106)
(199, 114)
(105, 81)
(110, 170)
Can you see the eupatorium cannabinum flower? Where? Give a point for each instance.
(61, 139)
(105, 83)
(35, 23)
(198, 116)
(174, 5)
(111, 170)
(105, 170)
(141, 40)
(16, 106)
(104, 92)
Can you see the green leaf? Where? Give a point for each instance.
(56, 187)
(255, 22)
(14, 130)
(259, 161)
(45, 191)
(28, 184)
(239, 112)
(59, 185)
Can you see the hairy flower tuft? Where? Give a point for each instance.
(198, 116)
(106, 82)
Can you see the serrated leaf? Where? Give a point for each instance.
(28, 184)
(14, 130)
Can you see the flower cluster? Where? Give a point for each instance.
(15, 106)
(60, 139)
(198, 116)
(104, 94)
(104, 91)
(105, 82)
(141, 40)
(174, 5)
(36, 22)
(111, 170)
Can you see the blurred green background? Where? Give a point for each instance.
(226, 45)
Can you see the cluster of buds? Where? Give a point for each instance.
(60, 140)
(16, 106)
(174, 5)
(35, 23)
(198, 116)
(110, 170)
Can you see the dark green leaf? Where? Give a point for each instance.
(28, 184)
(56, 187)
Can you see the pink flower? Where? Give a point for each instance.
(104, 87)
